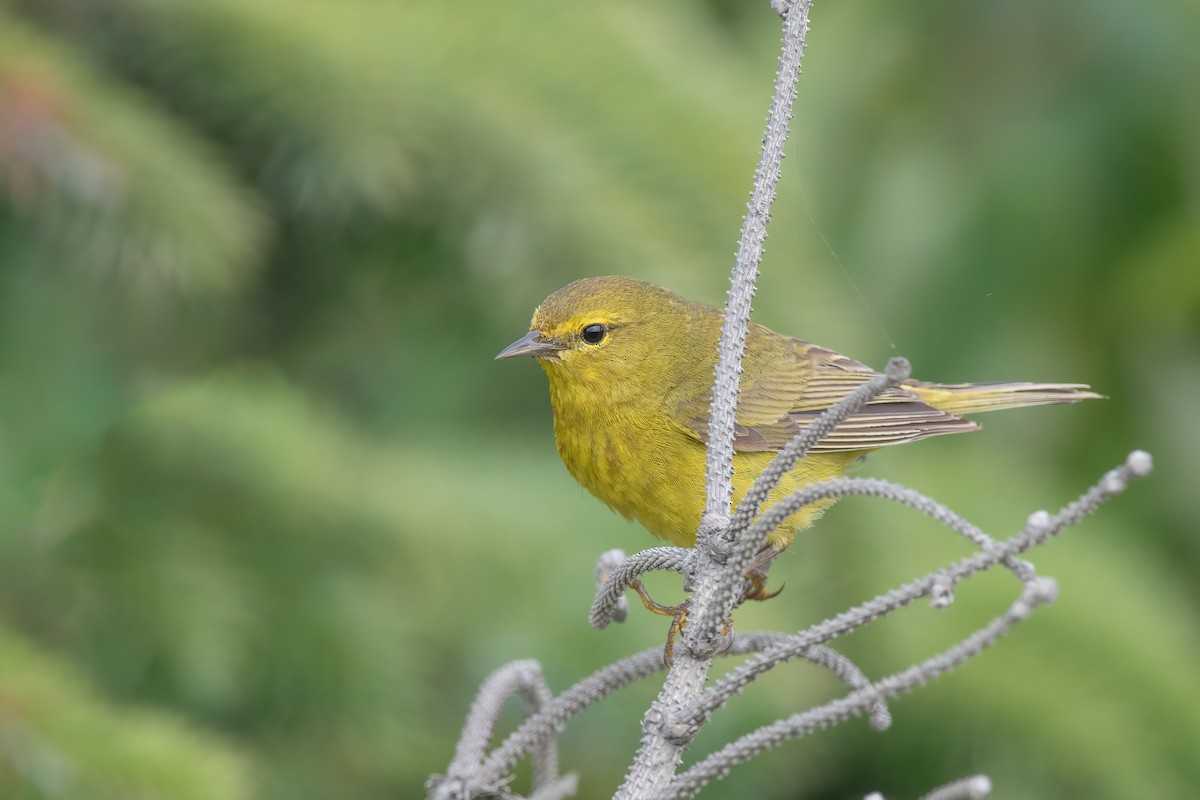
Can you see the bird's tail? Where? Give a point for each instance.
(975, 398)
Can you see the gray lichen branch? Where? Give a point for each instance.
(1039, 529)
(472, 774)
(717, 765)
(719, 470)
(462, 779)
(757, 535)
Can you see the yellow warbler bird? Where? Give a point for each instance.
(631, 368)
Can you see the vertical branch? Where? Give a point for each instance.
(719, 473)
(663, 739)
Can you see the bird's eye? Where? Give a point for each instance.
(594, 333)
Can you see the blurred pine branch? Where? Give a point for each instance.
(57, 739)
(107, 184)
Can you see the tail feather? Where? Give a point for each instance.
(975, 398)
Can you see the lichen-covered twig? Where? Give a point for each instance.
(659, 753)
(719, 474)
(873, 487)
(1040, 528)
(554, 716)
(718, 764)
(523, 678)
(472, 769)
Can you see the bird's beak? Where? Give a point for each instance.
(531, 344)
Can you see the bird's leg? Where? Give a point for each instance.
(651, 605)
(676, 628)
(756, 574)
(678, 615)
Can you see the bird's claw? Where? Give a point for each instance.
(758, 587)
(756, 575)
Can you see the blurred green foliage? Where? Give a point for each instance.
(269, 512)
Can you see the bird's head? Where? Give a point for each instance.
(602, 329)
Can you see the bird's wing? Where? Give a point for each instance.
(787, 383)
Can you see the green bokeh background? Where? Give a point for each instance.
(269, 512)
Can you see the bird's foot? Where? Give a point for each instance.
(678, 615)
(651, 605)
(758, 587)
(756, 575)
(677, 623)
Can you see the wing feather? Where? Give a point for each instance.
(787, 383)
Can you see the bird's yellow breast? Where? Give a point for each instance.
(627, 453)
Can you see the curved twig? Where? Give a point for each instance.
(1039, 528)
(612, 591)
(721, 418)
(523, 678)
(788, 649)
(718, 764)
(591, 689)
(757, 534)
